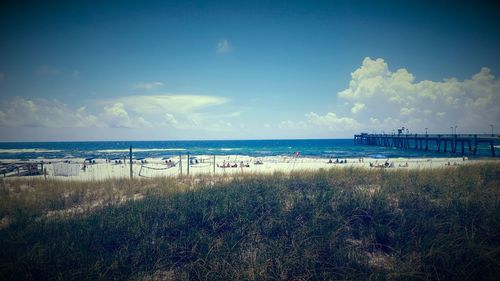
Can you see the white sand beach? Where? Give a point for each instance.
(102, 169)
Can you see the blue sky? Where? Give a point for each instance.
(157, 70)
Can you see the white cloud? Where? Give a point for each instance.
(221, 125)
(357, 107)
(174, 111)
(160, 104)
(293, 125)
(380, 99)
(170, 119)
(471, 104)
(331, 121)
(21, 112)
(315, 123)
(116, 116)
(224, 46)
(287, 124)
(147, 85)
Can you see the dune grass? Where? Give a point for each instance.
(338, 224)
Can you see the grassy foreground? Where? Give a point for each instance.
(328, 225)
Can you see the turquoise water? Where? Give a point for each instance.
(325, 148)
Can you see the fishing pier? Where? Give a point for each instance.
(466, 144)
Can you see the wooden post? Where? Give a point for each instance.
(44, 172)
(180, 163)
(189, 164)
(131, 169)
(214, 164)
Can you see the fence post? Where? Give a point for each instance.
(214, 164)
(131, 170)
(180, 163)
(189, 163)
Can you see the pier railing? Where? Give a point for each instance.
(468, 143)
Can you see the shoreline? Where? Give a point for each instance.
(101, 169)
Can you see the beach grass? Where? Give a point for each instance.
(337, 224)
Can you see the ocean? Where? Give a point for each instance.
(321, 148)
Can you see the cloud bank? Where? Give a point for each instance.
(174, 111)
(20, 112)
(379, 99)
(376, 99)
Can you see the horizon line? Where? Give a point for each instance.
(270, 139)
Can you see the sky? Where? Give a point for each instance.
(182, 70)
